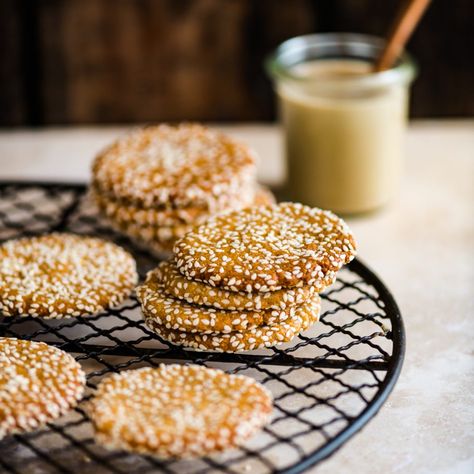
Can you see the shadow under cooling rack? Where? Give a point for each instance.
(327, 383)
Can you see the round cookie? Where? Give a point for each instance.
(160, 250)
(148, 238)
(160, 239)
(38, 383)
(124, 213)
(263, 197)
(266, 248)
(63, 275)
(178, 166)
(263, 336)
(168, 279)
(177, 411)
(152, 233)
(181, 316)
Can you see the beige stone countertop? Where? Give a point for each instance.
(422, 247)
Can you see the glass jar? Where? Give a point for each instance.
(344, 124)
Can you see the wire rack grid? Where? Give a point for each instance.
(326, 384)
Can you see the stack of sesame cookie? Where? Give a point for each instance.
(155, 184)
(247, 279)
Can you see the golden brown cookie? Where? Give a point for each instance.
(178, 166)
(127, 214)
(181, 316)
(152, 233)
(177, 411)
(160, 239)
(167, 278)
(150, 218)
(62, 275)
(266, 248)
(38, 383)
(160, 250)
(159, 242)
(263, 197)
(263, 336)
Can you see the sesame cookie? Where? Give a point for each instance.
(263, 197)
(153, 218)
(160, 250)
(163, 234)
(181, 316)
(177, 411)
(167, 278)
(38, 383)
(255, 338)
(266, 248)
(160, 239)
(178, 166)
(62, 275)
(124, 213)
(147, 239)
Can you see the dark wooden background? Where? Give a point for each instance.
(112, 61)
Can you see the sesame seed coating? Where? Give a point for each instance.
(272, 247)
(184, 165)
(238, 341)
(38, 383)
(181, 316)
(177, 411)
(168, 279)
(63, 275)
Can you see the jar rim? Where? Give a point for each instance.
(328, 46)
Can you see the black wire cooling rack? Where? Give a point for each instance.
(326, 384)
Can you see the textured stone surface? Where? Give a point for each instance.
(421, 246)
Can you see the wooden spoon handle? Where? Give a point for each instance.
(402, 28)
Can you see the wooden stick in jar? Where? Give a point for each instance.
(402, 28)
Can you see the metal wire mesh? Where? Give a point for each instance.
(327, 383)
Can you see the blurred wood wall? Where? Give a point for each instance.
(111, 61)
